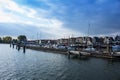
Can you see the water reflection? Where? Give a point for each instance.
(112, 61)
(79, 57)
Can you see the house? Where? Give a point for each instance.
(101, 40)
(72, 41)
(63, 41)
(108, 40)
(117, 40)
(32, 42)
(87, 40)
(79, 40)
(95, 40)
(43, 41)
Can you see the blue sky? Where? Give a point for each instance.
(59, 18)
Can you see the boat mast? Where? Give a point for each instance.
(88, 29)
(88, 33)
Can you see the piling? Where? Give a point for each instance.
(13, 45)
(68, 54)
(79, 54)
(18, 47)
(24, 49)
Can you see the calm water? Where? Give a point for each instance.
(36, 65)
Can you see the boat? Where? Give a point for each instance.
(77, 52)
(116, 54)
(82, 53)
(116, 51)
(89, 49)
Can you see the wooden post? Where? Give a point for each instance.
(18, 47)
(68, 54)
(79, 54)
(24, 48)
(13, 45)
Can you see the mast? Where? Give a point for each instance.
(88, 29)
(88, 33)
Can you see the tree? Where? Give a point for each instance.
(22, 38)
(0, 40)
(7, 39)
(14, 41)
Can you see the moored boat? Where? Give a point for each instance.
(116, 51)
(116, 54)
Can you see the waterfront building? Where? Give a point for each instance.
(79, 40)
(117, 40)
(108, 40)
(72, 41)
(95, 40)
(63, 41)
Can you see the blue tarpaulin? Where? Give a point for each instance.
(116, 48)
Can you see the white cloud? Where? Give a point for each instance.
(11, 12)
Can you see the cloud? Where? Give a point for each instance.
(13, 13)
(56, 18)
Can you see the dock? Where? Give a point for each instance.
(66, 52)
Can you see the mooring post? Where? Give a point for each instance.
(13, 45)
(79, 54)
(24, 48)
(18, 47)
(68, 54)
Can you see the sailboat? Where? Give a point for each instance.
(86, 51)
(89, 44)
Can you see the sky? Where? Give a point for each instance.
(51, 19)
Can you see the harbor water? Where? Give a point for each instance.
(38, 65)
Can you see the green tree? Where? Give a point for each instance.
(7, 39)
(0, 40)
(14, 41)
(22, 38)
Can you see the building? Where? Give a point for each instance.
(63, 41)
(47, 41)
(108, 40)
(72, 41)
(79, 40)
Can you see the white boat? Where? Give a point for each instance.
(89, 49)
(116, 54)
(83, 53)
(116, 51)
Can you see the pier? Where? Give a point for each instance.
(69, 53)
